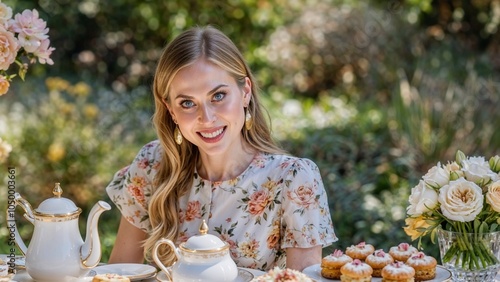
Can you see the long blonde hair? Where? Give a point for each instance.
(178, 163)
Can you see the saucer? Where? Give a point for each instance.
(18, 260)
(243, 276)
(134, 271)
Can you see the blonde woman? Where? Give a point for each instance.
(215, 159)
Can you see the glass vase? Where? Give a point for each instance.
(470, 256)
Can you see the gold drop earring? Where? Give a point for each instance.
(177, 135)
(248, 120)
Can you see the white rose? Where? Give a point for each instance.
(437, 176)
(493, 196)
(477, 169)
(461, 200)
(422, 199)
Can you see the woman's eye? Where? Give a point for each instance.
(187, 104)
(219, 96)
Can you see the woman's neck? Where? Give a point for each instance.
(225, 167)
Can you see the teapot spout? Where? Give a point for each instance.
(90, 252)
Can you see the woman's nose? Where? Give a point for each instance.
(207, 114)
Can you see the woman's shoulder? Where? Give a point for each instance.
(150, 149)
(285, 162)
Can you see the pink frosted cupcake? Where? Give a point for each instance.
(398, 271)
(378, 260)
(424, 265)
(356, 271)
(331, 264)
(402, 252)
(360, 251)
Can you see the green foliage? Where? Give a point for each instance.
(372, 95)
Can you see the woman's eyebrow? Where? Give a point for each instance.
(213, 90)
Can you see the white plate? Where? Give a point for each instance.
(134, 271)
(243, 276)
(314, 271)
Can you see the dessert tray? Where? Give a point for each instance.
(134, 271)
(314, 271)
(243, 276)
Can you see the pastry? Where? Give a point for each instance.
(360, 251)
(402, 252)
(356, 271)
(378, 260)
(331, 264)
(398, 272)
(278, 275)
(424, 265)
(110, 277)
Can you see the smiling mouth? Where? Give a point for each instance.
(211, 135)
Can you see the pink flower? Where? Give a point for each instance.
(8, 48)
(43, 52)
(5, 14)
(303, 196)
(193, 211)
(4, 85)
(258, 202)
(31, 29)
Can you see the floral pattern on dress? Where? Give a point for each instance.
(278, 202)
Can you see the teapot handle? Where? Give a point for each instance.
(157, 259)
(19, 201)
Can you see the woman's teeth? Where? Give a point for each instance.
(212, 134)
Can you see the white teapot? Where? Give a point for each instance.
(202, 257)
(56, 251)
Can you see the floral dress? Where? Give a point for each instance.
(278, 202)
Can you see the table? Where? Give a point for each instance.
(23, 276)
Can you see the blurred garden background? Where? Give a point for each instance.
(374, 91)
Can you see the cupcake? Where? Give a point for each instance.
(398, 272)
(424, 265)
(356, 271)
(377, 261)
(331, 264)
(402, 252)
(360, 251)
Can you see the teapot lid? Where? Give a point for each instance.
(57, 205)
(204, 241)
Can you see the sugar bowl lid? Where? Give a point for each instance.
(204, 242)
(57, 206)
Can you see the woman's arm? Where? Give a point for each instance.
(128, 245)
(300, 258)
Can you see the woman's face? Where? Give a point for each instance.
(208, 107)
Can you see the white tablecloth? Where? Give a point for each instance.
(23, 276)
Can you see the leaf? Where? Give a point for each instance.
(483, 228)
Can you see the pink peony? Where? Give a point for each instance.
(8, 48)
(31, 29)
(193, 211)
(258, 202)
(43, 52)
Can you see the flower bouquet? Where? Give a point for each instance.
(23, 41)
(460, 202)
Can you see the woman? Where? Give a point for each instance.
(215, 159)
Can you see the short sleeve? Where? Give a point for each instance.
(131, 187)
(306, 214)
